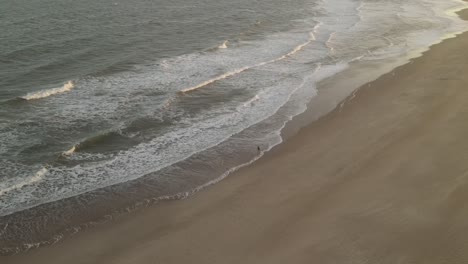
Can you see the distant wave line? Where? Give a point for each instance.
(46, 93)
(237, 71)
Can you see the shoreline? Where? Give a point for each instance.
(238, 191)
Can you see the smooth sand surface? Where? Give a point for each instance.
(384, 179)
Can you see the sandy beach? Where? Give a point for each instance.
(382, 179)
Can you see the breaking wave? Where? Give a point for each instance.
(49, 92)
(224, 45)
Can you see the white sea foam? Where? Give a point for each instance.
(46, 93)
(39, 176)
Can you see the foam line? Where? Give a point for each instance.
(253, 99)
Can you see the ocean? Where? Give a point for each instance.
(107, 106)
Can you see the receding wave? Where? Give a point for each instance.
(36, 178)
(232, 73)
(46, 93)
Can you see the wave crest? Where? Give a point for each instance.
(46, 93)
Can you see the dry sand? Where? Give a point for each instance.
(382, 180)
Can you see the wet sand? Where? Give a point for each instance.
(383, 179)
